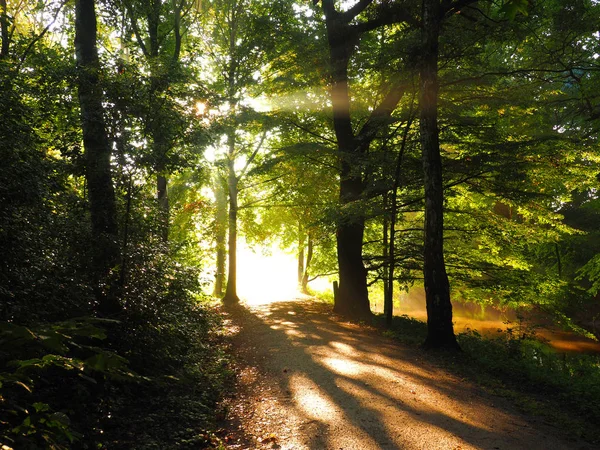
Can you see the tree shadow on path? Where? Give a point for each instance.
(337, 385)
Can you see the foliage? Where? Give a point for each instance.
(42, 369)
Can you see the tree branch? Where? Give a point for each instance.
(252, 156)
(380, 115)
(347, 16)
(387, 15)
(39, 36)
(136, 30)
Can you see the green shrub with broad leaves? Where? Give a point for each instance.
(47, 373)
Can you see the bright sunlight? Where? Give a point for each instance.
(266, 275)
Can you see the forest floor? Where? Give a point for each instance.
(309, 380)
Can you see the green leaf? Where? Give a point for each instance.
(61, 418)
(41, 407)
(16, 331)
(511, 8)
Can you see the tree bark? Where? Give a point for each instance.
(163, 203)
(353, 298)
(387, 262)
(220, 235)
(105, 245)
(300, 271)
(309, 256)
(4, 33)
(231, 296)
(440, 332)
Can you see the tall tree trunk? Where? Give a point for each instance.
(353, 298)
(231, 296)
(300, 271)
(391, 254)
(160, 148)
(163, 202)
(101, 194)
(220, 234)
(440, 332)
(4, 33)
(387, 262)
(309, 256)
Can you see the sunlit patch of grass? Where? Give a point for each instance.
(325, 296)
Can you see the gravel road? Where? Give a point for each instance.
(309, 380)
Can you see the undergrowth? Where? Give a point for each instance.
(149, 379)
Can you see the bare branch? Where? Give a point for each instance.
(252, 156)
(41, 35)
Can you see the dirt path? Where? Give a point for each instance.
(311, 381)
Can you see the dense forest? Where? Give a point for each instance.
(449, 144)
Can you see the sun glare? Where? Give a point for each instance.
(266, 275)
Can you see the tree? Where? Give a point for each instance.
(220, 191)
(343, 36)
(159, 29)
(440, 332)
(233, 32)
(106, 254)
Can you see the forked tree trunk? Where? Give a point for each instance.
(105, 245)
(440, 332)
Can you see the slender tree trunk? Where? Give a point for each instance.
(125, 228)
(558, 260)
(220, 235)
(231, 296)
(4, 33)
(440, 332)
(309, 256)
(386, 259)
(300, 271)
(389, 288)
(160, 148)
(101, 194)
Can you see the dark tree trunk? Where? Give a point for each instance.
(4, 33)
(343, 36)
(163, 203)
(220, 235)
(101, 194)
(352, 299)
(387, 295)
(160, 148)
(231, 296)
(440, 332)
